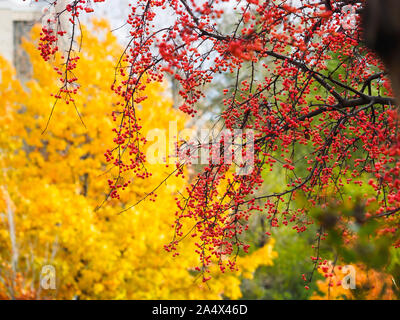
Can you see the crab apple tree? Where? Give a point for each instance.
(318, 100)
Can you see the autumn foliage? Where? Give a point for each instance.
(53, 183)
(371, 284)
(319, 102)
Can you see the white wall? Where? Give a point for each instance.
(14, 11)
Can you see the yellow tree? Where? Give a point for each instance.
(52, 182)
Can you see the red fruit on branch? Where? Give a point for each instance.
(318, 101)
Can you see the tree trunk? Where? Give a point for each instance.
(381, 24)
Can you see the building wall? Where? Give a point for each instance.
(16, 20)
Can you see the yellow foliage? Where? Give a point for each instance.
(56, 180)
(369, 285)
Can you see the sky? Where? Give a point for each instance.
(116, 11)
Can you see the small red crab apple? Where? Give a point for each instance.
(188, 152)
(319, 102)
